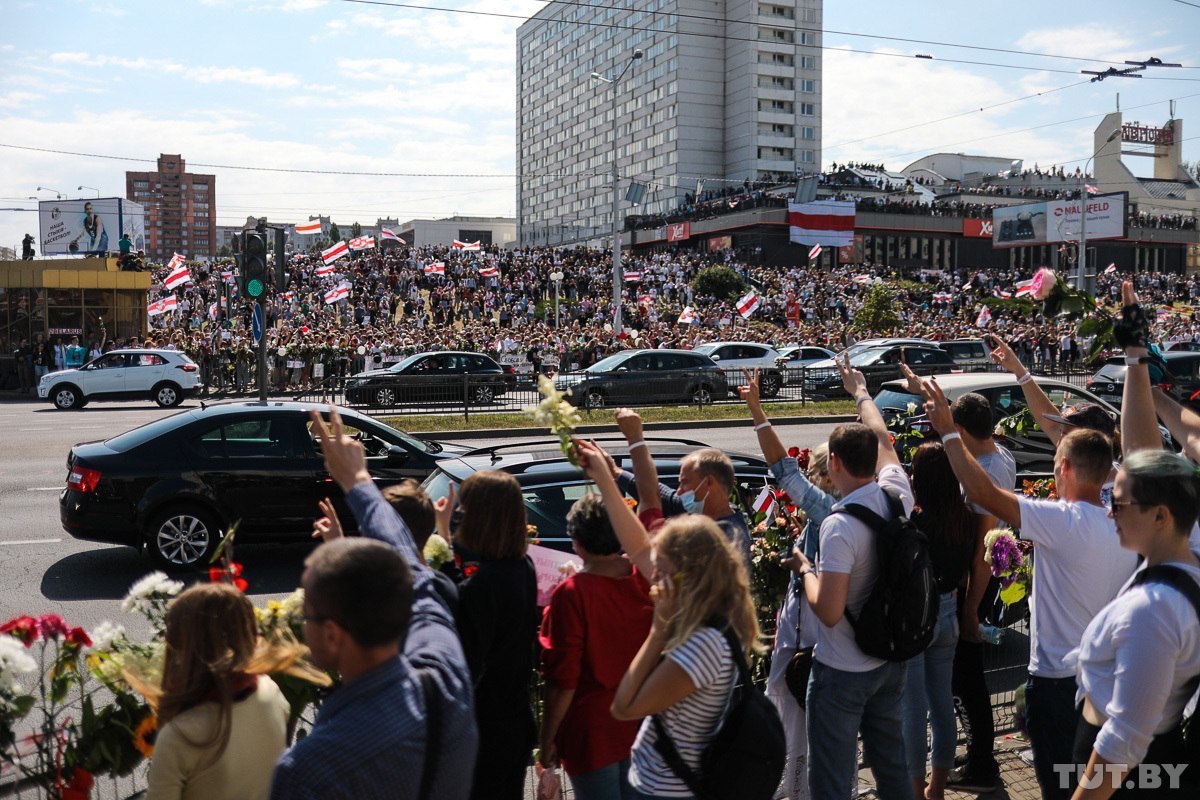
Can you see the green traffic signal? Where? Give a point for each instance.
(254, 287)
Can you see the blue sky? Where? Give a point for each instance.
(334, 85)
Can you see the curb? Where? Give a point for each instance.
(499, 433)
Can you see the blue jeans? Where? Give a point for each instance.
(1051, 717)
(606, 783)
(840, 706)
(927, 693)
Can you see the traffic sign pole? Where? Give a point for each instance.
(260, 320)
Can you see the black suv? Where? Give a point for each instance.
(441, 377)
(174, 485)
(551, 485)
(878, 364)
(645, 376)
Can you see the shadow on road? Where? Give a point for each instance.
(140, 407)
(108, 573)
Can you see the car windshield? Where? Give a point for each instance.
(388, 432)
(151, 430)
(406, 363)
(608, 364)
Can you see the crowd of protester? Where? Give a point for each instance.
(642, 648)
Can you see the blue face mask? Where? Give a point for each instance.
(691, 503)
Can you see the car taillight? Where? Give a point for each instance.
(83, 479)
(187, 367)
(509, 369)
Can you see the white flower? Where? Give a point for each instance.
(293, 604)
(156, 585)
(105, 635)
(912, 409)
(14, 661)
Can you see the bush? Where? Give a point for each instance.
(878, 312)
(719, 282)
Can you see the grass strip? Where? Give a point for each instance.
(434, 423)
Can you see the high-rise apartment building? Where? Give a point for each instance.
(728, 90)
(181, 209)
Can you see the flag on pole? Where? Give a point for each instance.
(162, 306)
(339, 292)
(325, 270)
(176, 260)
(829, 223)
(179, 276)
(645, 300)
(475, 245)
(1091, 189)
(488, 272)
(633, 277)
(436, 268)
(1003, 295)
(814, 252)
(984, 319)
(748, 303)
(862, 280)
(1024, 288)
(362, 243)
(287, 295)
(765, 502)
(309, 228)
(386, 234)
(335, 252)
(227, 275)
(688, 317)
(942, 297)
(1111, 268)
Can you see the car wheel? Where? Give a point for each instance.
(702, 396)
(769, 385)
(167, 395)
(483, 395)
(66, 397)
(183, 537)
(593, 400)
(385, 397)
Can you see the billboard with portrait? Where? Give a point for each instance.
(1057, 221)
(90, 227)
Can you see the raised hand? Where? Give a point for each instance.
(594, 461)
(937, 408)
(344, 457)
(629, 422)
(749, 392)
(913, 380)
(328, 527)
(1003, 355)
(852, 380)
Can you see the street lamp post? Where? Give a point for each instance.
(58, 194)
(557, 277)
(92, 188)
(1084, 281)
(616, 187)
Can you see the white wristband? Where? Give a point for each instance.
(1133, 361)
(1024, 379)
(864, 399)
(635, 445)
(762, 426)
(949, 436)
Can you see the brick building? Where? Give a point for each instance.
(181, 209)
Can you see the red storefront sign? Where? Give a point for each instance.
(679, 232)
(977, 228)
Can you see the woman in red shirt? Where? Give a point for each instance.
(595, 623)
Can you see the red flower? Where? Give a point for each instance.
(469, 570)
(794, 452)
(216, 575)
(52, 626)
(241, 584)
(78, 636)
(235, 569)
(79, 787)
(24, 628)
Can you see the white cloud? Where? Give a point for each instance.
(250, 76)
(1089, 40)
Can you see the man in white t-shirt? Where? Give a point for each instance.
(850, 692)
(1080, 567)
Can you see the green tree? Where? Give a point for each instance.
(878, 312)
(334, 233)
(719, 282)
(355, 231)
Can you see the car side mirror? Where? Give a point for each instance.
(622, 369)
(396, 454)
(715, 358)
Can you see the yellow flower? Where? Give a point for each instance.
(145, 734)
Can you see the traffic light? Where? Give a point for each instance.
(254, 265)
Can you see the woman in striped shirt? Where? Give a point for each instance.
(684, 672)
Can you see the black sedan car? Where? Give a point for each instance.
(638, 377)
(175, 485)
(439, 377)
(878, 364)
(1183, 382)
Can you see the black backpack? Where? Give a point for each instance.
(898, 619)
(746, 755)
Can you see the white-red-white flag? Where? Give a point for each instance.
(227, 275)
(829, 223)
(1111, 268)
(309, 228)
(154, 308)
(162, 306)
(747, 304)
(814, 252)
(1003, 295)
(1024, 288)
(334, 253)
(362, 243)
(386, 234)
(339, 292)
(176, 260)
(436, 268)
(488, 272)
(326, 270)
(942, 297)
(475, 245)
(984, 319)
(765, 502)
(178, 276)
(1091, 189)
(688, 316)
(633, 277)
(862, 280)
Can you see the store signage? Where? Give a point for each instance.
(977, 228)
(680, 232)
(1144, 134)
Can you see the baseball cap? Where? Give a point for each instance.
(1086, 415)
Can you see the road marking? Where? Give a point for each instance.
(33, 541)
(45, 489)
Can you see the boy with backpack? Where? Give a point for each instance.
(850, 691)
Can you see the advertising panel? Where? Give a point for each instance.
(719, 243)
(89, 227)
(977, 228)
(1058, 221)
(679, 232)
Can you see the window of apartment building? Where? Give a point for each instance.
(808, 132)
(776, 35)
(808, 87)
(775, 129)
(785, 106)
(807, 157)
(775, 153)
(775, 82)
(806, 38)
(776, 11)
(808, 62)
(141, 184)
(808, 14)
(782, 59)
(808, 109)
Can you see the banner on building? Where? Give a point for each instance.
(718, 243)
(89, 227)
(829, 223)
(679, 232)
(977, 228)
(1057, 221)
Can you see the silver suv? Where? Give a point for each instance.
(164, 376)
(969, 355)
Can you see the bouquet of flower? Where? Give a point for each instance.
(557, 414)
(1009, 561)
(1043, 488)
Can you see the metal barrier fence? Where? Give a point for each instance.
(468, 394)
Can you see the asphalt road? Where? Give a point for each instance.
(45, 570)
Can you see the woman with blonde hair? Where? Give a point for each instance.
(685, 670)
(222, 722)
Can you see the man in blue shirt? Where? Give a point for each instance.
(373, 615)
(76, 354)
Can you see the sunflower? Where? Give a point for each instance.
(145, 734)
